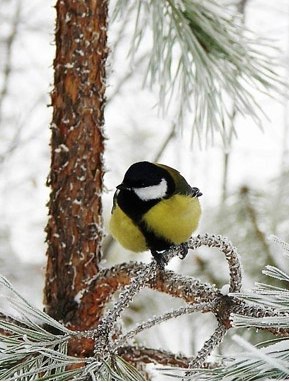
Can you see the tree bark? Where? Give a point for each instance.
(74, 230)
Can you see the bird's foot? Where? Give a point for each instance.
(159, 258)
(184, 249)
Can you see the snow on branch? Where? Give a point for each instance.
(106, 349)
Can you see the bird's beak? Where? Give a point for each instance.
(196, 192)
(123, 187)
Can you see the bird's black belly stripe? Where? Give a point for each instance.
(154, 242)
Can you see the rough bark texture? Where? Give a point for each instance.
(74, 230)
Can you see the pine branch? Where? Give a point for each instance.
(267, 361)
(202, 307)
(105, 284)
(201, 296)
(208, 347)
(135, 355)
(230, 252)
(101, 334)
(202, 56)
(11, 320)
(26, 342)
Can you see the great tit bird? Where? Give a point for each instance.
(154, 208)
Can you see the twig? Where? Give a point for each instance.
(261, 236)
(101, 334)
(170, 135)
(207, 348)
(203, 307)
(200, 296)
(230, 252)
(136, 355)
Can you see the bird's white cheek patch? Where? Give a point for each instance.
(157, 191)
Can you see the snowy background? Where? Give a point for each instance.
(135, 132)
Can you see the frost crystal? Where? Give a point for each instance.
(230, 252)
(282, 244)
(78, 296)
(225, 289)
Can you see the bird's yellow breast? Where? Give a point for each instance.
(126, 231)
(174, 218)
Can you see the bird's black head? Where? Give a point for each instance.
(148, 182)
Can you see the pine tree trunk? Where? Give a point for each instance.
(74, 230)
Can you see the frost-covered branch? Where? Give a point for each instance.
(104, 285)
(230, 252)
(200, 296)
(208, 347)
(189, 309)
(107, 322)
(101, 347)
(136, 354)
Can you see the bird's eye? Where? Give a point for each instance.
(139, 184)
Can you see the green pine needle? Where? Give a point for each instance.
(30, 352)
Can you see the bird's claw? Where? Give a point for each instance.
(159, 258)
(184, 249)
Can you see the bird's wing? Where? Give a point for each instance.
(114, 201)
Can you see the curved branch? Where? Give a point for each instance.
(200, 296)
(107, 322)
(230, 252)
(101, 288)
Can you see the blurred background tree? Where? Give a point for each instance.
(246, 204)
(24, 155)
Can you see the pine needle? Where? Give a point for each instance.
(202, 59)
